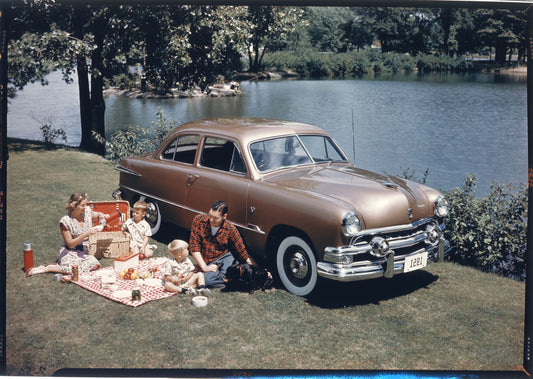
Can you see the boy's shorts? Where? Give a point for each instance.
(216, 279)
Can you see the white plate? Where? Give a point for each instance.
(159, 261)
(122, 294)
(104, 272)
(199, 301)
(152, 282)
(87, 276)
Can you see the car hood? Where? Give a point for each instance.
(379, 200)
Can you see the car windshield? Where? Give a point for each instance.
(276, 153)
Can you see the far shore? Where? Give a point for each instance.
(233, 88)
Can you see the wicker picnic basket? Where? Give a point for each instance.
(109, 244)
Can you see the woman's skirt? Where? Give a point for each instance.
(67, 258)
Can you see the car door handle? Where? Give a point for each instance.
(191, 179)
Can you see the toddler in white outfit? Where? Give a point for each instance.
(179, 271)
(139, 230)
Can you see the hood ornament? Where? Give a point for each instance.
(410, 213)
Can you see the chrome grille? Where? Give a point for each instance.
(402, 239)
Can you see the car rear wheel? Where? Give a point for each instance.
(296, 266)
(153, 215)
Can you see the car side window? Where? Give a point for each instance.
(182, 149)
(186, 148)
(221, 154)
(168, 152)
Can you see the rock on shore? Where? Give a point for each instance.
(217, 90)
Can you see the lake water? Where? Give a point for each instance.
(452, 124)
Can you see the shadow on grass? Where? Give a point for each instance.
(18, 145)
(169, 232)
(331, 294)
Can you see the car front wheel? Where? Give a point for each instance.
(296, 266)
(153, 215)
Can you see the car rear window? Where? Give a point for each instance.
(221, 154)
(182, 149)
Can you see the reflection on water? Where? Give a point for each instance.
(452, 124)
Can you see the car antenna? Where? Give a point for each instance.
(353, 138)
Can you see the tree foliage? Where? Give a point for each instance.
(269, 29)
(186, 46)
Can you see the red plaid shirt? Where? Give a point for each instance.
(213, 247)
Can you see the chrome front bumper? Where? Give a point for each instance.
(384, 267)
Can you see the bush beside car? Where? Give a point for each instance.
(489, 233)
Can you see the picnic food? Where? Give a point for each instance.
(129, 274)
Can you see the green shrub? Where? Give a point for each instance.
(307, 62)
(319, 65)
(489, 233)
(50, 134)
(138, 140)
(395, 62)
(122, 81)
(428, 63)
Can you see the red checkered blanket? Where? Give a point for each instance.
(151, 289)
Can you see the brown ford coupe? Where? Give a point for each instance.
(294, 195)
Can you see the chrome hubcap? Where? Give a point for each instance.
(298, 265)
(151, 213)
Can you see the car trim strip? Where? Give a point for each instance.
(394, 228)
(126, 170)
(251, 227)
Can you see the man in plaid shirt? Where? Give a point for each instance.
(213, 242)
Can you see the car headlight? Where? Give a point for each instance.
(441, 207)
(351, 224)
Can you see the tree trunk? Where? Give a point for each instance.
(250, 63)
(97, 95)
(256, 57)
(97, 114)
(446, 19)
(85, 104)
(501, 49)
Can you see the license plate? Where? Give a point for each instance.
(415, 262)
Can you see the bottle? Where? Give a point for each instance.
(75, 273)
(28, 256)
(136, 294)
(112, 217)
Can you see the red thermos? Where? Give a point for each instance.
(28, 256)
(112, 217)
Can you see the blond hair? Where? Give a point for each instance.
(141, 205)
(177, 246)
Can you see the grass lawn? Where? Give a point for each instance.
(445, 317)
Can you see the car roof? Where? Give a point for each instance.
(247, 129)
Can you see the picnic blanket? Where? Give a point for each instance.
(151, 289)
